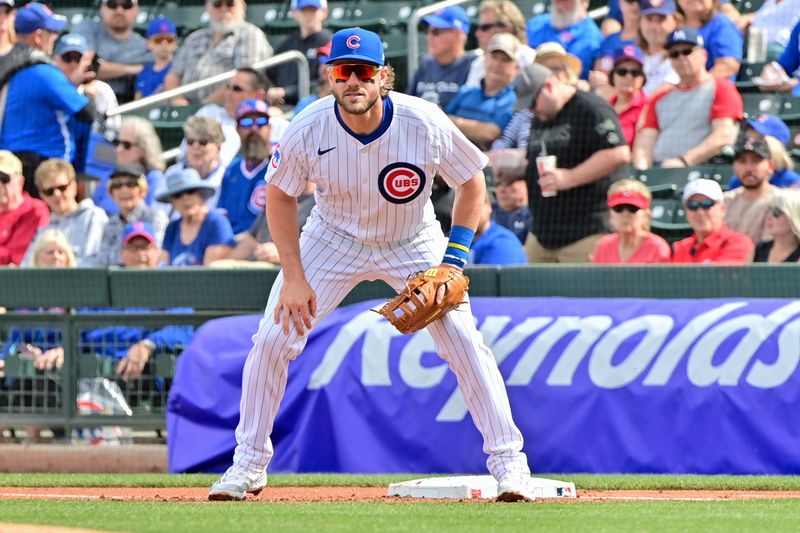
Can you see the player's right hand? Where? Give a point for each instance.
(297, 304)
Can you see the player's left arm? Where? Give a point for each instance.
(468, 202)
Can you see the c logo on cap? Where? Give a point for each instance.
(354, 41)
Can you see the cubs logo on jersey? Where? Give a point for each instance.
(258, 199)
(400, 183)
(276, 157)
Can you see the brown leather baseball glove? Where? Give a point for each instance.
(416, 306)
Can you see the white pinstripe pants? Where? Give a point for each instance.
(334, 264)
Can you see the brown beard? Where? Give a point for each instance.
(254, 148)
(356, 109)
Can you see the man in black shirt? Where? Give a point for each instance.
(584, 134)
(310, 35)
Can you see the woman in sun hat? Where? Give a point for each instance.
(200, 235)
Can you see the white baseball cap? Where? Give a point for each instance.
(708, 188)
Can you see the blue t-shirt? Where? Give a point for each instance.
(439, 83)
(102, 198)
(497, 246)
(214, 230)
(243, 194)
(518, 221)
(781, 178)
(610, 45)
(39, 104)
(790, 58)
(614, 11)
(582, 39)
(722, 39)
(148, 81)
(472, 103)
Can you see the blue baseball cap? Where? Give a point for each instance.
(685, 35)
(161, 26)
(356, 43)
(628, 52)
(452, 17)
(36, 16)
(657, 7)
(252, 106)
(71, 42)
(138, 229)
(300, 4)
(772, 126)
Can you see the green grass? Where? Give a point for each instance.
(551, 516)
(582, 481)
(545, 516)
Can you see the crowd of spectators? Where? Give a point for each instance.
(567, 108)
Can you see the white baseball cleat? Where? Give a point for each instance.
(515, 488)
(236, 483)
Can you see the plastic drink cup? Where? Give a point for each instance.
(546, 163)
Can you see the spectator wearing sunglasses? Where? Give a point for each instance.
(162, 41)
(446, 67)
(20, 215)
(228, 43)
(782, 225)
(243, 191)
(40, 98)
(568, 24)
(629, 216)
(310, 15)
(128, 188)
(123, 51)
(200, 235)
(136, 144)
(82, 222)
(688, 123)
(246, 83)
(747, 206)
(74, 58)
(7, 35)
(496, 16)
(606, 53)
(713, 241)
(627, 80)
(203, 137)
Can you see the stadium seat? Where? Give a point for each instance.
(748, 6)
(790, 109)
(376, 16)
(187, 18)
(668, 220)
(531, 8)
(168, 121)
(756, 104)
(744, 80)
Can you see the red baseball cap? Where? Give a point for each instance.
(629, 198)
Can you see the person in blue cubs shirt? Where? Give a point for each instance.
(446, 67)
(243, 191)
(723, 40)
(162, 41)
(40, 99)
(199, 236)
(569, 25)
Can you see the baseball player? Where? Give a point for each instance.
(373, 154)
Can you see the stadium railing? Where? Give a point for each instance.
(78, 308)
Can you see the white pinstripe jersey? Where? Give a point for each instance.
(375, 188)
